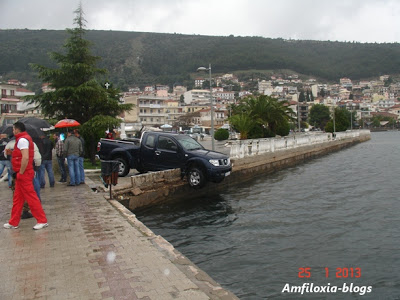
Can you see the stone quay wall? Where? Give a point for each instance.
(250, 158)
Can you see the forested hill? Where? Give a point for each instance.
(145, 58)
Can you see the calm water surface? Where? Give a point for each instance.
(341, 210)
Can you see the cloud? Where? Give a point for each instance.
(343, 20)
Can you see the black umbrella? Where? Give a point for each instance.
(31, 130)
(5, 128)
(35, 122)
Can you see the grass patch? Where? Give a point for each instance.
(87, 165)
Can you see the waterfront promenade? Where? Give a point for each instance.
(92, 249)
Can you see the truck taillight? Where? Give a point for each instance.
(98, 146)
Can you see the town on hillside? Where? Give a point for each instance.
(177, 108)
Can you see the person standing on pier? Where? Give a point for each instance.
(72, 150)
(81, 157)
(47, 162)
(60, 156)
(4, 160)
(22, 163)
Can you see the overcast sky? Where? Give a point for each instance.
(341, 20)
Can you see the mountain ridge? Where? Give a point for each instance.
(139, 58)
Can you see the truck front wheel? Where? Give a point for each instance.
(123, 169)
(196, 178)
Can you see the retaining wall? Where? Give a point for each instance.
(249, 158)
(245, 148)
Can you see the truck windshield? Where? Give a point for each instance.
(189, 144)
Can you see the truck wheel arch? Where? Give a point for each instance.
(123, 166)
(196, 176)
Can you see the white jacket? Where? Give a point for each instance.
(37, 158)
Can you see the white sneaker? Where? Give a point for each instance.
(40, 226)
(9, 226)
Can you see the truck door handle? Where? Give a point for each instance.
(157, 152)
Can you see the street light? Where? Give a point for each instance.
(351, 117)
(334, 123)
(298, 115)
(201, 69)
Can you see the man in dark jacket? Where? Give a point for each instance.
(47, 163)
(72, 151)
(81, 157)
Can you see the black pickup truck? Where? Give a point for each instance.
(157, 151)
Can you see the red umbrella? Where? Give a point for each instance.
(67, 123)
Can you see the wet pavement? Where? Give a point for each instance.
(92, 249)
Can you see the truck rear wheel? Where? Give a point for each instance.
(196, 178)
(123, 169)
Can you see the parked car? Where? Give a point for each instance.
(157, 151)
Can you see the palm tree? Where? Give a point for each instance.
(279, 113)
(243, 123)
(266, 112)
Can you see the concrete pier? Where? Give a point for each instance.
(93, 249)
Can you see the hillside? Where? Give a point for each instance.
(135, 58)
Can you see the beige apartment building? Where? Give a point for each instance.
(155, 110)
(131, 116)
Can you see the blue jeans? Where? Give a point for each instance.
(3, 164)
(36, 185)
(81, 169)
(61, 165)
(73, 168)
(48, 166)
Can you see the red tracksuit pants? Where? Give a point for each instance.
(24, 191)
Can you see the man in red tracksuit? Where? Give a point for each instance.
(22, 163)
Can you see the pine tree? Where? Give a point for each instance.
(77, 93)
(302, 97)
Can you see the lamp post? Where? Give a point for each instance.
(351, 117)
(351, 120)
(334, 122)
(298, 115)
(211, 104)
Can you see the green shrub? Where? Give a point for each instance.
(221, 134)
(283, 128)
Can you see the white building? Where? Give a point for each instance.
(228, 96)
(198, 82)
(244, 94)
(9, 104)
(46, 87)
(264, 85)
(314, 90)
(149, 88)
(346, 82)
(197, 97)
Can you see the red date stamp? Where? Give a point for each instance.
(338, 273)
